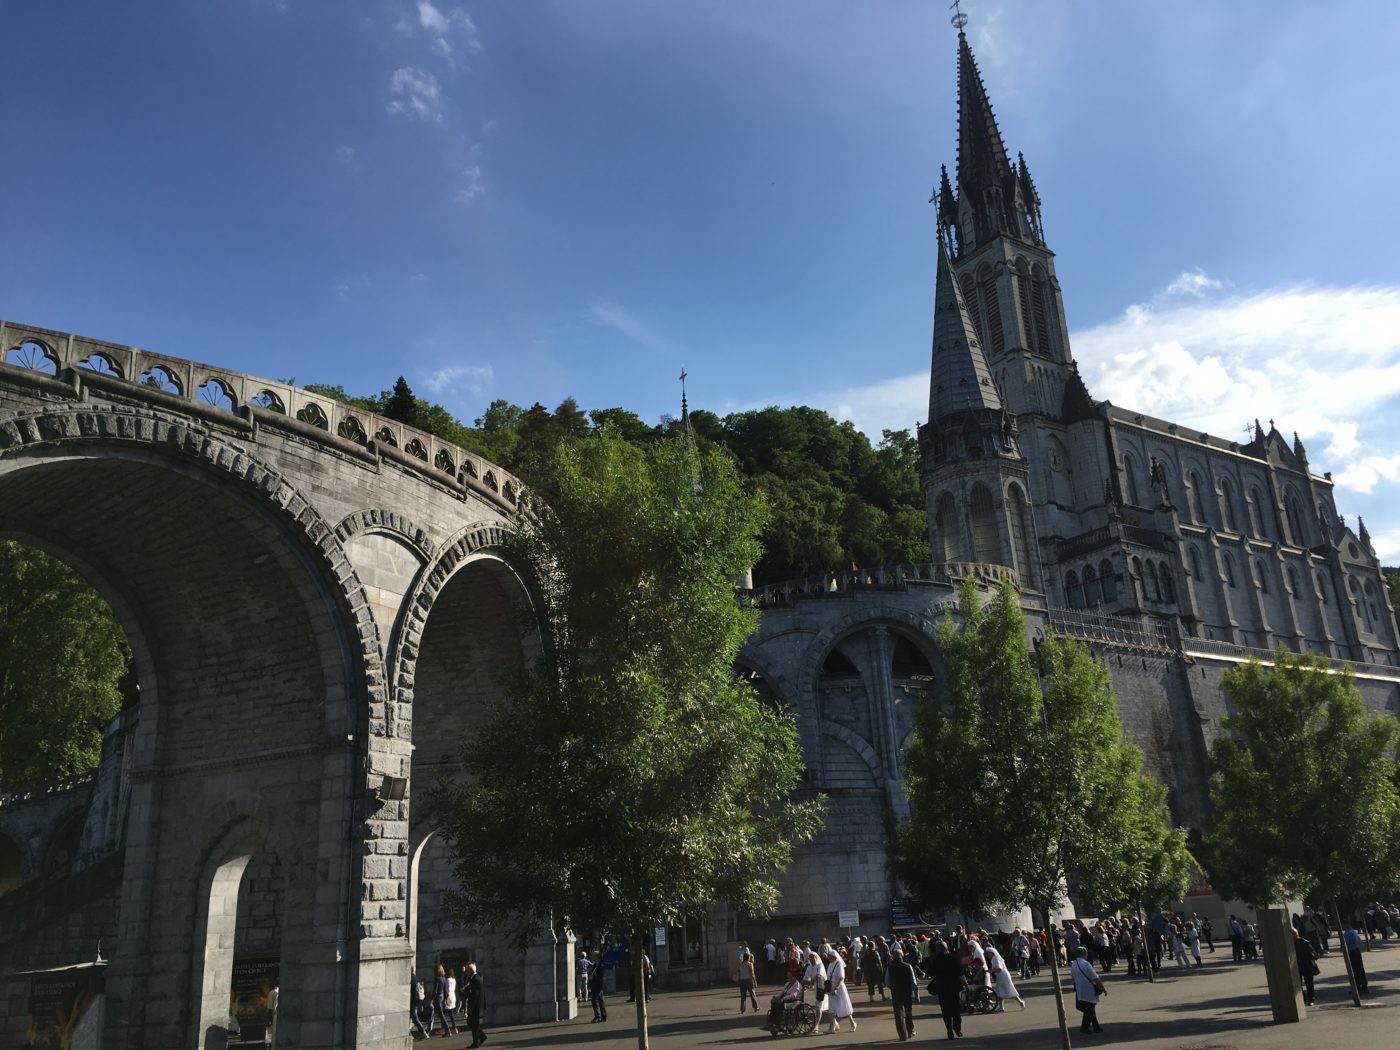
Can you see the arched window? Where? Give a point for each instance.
(1370, 602)
(1292, 579)
(1040, 298)
(1108, 582)
(1259, 514)
(1194, 498)
(949, 529)
(1261, 576)
(1130, 489)
(1227, 504)
(1229, 567)
(1295, 520)
(1150, 585)
(986, 543)
(1092, 596)
(1023, 294)
(1164, 578)
(1019, 512)
(1194, 557)
(1321, 589)
(991, 309)
(1074, 590)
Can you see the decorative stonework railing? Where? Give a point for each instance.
(1111, 630)
(70, 362)
(57, 787)
(848, 581)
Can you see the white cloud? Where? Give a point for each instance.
(472, 186)
(1193, 282)
(446, 29)
(611, 315)
(1324, 361)
(414, 93)
(473, 379)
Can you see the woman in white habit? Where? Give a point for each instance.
(814, 977)
(838, 998)
(1002, 987)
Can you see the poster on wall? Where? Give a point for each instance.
(58, 1001)
(253, 979)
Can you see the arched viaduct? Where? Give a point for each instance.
(317, 605)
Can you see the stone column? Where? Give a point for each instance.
(881, 661)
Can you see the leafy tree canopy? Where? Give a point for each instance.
(835, 499)
(1304, 786)
(62, 659)
(631, 777)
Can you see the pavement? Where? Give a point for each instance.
(1220, 1006)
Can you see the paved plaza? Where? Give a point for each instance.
(1221, 1006)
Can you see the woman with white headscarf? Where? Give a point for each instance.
(838, 998)
(814, 977)
(1001, 980)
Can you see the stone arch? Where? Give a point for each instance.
(388, 522)
(62, 843)
(919, 629)
(226, 858)
(252, 642)
(1108, 584)
(468, 629)
(860, 746)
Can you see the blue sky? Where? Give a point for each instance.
(537, 199)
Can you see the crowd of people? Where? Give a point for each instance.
(434, 1002)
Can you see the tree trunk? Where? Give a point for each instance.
(1146, 943)
(1059, 992)
(639, 986)
(1346, 955)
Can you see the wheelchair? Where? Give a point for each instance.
(797, 1018)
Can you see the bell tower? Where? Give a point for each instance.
(994, 236)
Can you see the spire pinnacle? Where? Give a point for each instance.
(982, 159)
(685, 409)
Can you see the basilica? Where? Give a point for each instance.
(1172, 552)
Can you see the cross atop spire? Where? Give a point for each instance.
(685, 409)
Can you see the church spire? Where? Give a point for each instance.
(982, 159)
(961, 380)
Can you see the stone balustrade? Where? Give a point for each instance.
(71, 362)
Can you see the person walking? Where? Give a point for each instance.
(596, 988)
(948, 981)
(1193, 941)
(438, 1012)
(418, 1006)
(1236, 929)
(903, 984)
(871, 971)
(475, 997)
(838, 996)
(1087, 990)
(1307, 965)
(1351, 941)
(1002, 987)
(747, 977)
(813, 976)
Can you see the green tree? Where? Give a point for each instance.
(1031, 746)
(632, 777)
(62, 658)
(400, 404)
(1304, 788)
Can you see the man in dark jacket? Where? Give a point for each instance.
(948, 983)
(475, 997)
(903, 984)
(872, 969)
(596, 990)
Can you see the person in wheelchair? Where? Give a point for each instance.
(791, 993)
